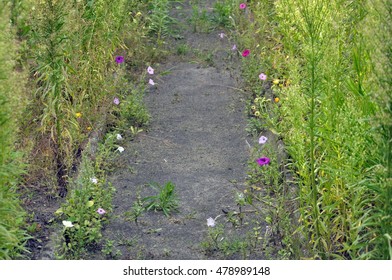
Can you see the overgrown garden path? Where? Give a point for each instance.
(196, 140)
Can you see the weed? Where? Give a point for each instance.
(166, 200)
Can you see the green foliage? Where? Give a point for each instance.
(332, 71)
(81, 207)
(12, 216)
(159, 21)
(71, 48)
(132, 110)
(165, 200)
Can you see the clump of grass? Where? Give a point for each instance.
(165, 200)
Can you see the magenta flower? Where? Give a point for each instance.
(245, 53)
(101, 211)
(116, 101)
(119, 59)
(263, 76)
(263, 161)
(242, 6)
(150, 70)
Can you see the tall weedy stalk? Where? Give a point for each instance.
(313, 13)
(51, 40)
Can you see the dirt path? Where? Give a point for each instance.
(196, 140)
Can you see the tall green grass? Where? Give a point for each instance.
(70, 47)
(332, 59)
(12, 216)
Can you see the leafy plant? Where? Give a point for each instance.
(165, 200)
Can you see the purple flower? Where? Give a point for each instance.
(263, 140)
(150, 70)
(242, 6)
(151, 82)
(119, 59)
(222, 35)
(263, 76)
(234, 47)
(101, 211)
(263, 161)
(116, 101)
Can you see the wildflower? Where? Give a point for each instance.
(94, 180)
(234, 47)
(120, 149)
(78, 115)
(242, 6)
(253, 108)
(150, 70)
(68, 224)
(257, 100)
(263, 140)
(222, 35)
(138, 14)
(119, 59)
(119, 137)
(151, 82)
(257, 113)
(276, 81)
(276, 99)
(210, 222)
(263, 76)
(101, 211)
(116, 101)
(89, 128)
(263, 161)
(245, 53)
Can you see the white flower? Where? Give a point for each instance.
(68, 224)
(119, 137)
(221, 35)
(210, 222)
(120, 149)
(151, 82)
(94, 180)
(150, 70)
(263, 140)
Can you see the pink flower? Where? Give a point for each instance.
(119, 59)
(151, 82)
(116, 101)
(263, 76)
(242, 6)
(234, 47)
(245, 53)
(150, 70)
(101, 211)
(222, 35)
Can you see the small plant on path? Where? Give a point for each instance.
(166, 200)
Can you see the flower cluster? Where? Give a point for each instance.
(150, 71)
